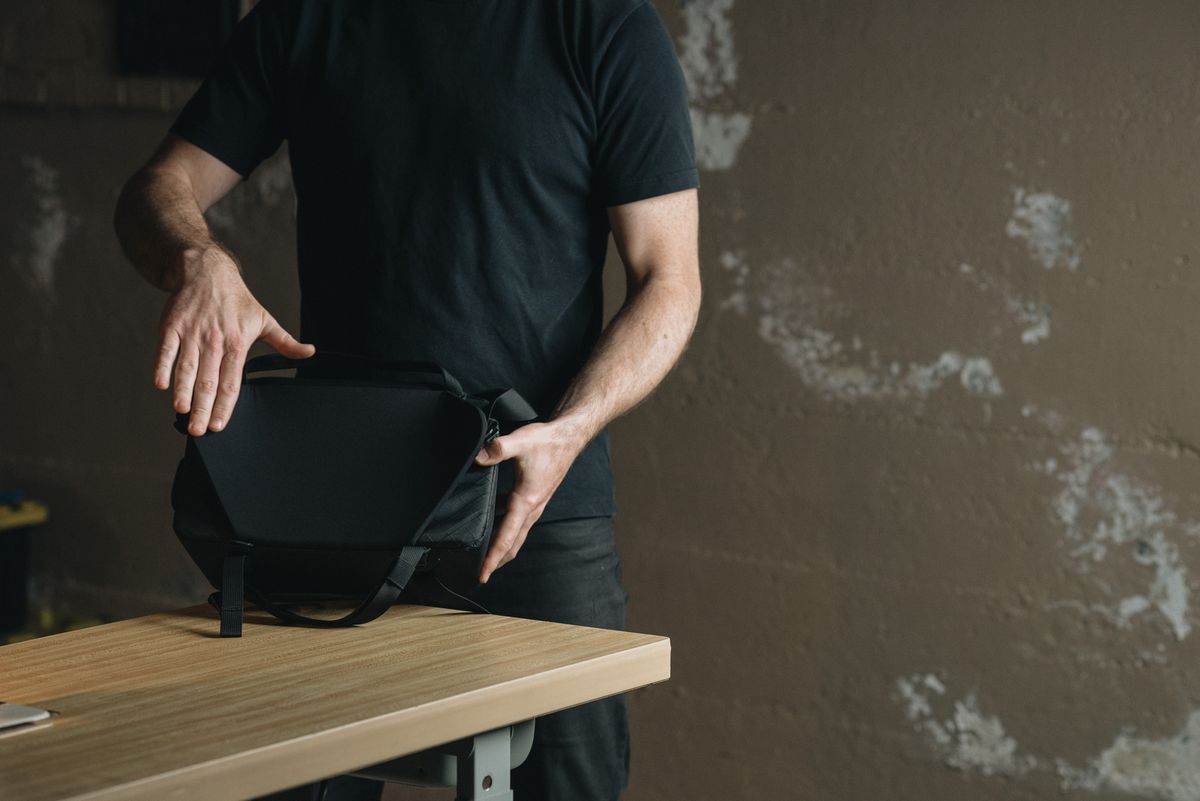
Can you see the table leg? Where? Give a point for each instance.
(483, 774)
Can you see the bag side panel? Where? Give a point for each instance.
(199, 520)
(464, 516)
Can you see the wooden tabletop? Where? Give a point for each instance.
(159, 707)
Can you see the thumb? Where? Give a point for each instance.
(494, 452)
(274, 335)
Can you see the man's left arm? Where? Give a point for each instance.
(657, 240)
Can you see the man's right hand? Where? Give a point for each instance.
(210, 322)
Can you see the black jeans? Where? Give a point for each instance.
(567, 572)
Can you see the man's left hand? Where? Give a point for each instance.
(543, 453)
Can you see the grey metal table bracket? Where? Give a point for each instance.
(479, 766)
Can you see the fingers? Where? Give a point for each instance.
(208, 378)
(185, 377)
(167, 350)
(514, 529)
(502, 542)
(229, 387)
(274, 335)
(207, 327)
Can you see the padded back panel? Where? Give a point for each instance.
(308, 464)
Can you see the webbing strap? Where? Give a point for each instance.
(508, 406)
(233, 573)
(384, 597)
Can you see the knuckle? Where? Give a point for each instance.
(207, 385)
(525, 499)
(229, 387)
(187, 365)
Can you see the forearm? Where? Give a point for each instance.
(633, 355)
(162, 229)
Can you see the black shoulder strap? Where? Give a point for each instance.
(508, 406)
(229, 599)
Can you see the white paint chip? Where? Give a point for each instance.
(51, 226)
(269, 185)
(794, 316)
(1034, 318)
(979, 378)
(1038, 327)
(1167, 769)
(964, 738)
(707, 52)
(1042, 221)
(1105, 512)
(710, 67)
(719, 137)
(735, 263)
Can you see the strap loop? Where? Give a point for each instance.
(388, 591)
(233, 572)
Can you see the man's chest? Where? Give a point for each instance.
(415, 90)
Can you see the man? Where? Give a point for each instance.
(458, 167)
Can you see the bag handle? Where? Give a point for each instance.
(229, 599)
(432, 374)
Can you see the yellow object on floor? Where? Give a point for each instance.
(25, 513)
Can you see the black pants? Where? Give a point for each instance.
(567, 572)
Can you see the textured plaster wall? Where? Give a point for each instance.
(920, 509)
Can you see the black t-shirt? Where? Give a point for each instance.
(453, 161)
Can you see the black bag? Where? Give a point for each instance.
(339, 482)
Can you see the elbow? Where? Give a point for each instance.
(125, 214)
(691, 293)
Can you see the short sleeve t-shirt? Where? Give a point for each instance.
(453, 162)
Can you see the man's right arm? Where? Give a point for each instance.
(211, 319)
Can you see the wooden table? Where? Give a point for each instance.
(160, 707)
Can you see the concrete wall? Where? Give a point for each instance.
(921, 507)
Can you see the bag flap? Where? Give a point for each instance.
(339, 465)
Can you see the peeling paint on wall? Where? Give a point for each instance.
(269, 185)
(1042, 221)
(965, 738)
(1037, 322)
(794, 314)
(707, 56)
(719, 137)
(979, 378)
(1167, 769)
(48, 233)
(1103, 511)
(1033, 318)
(710, 67)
